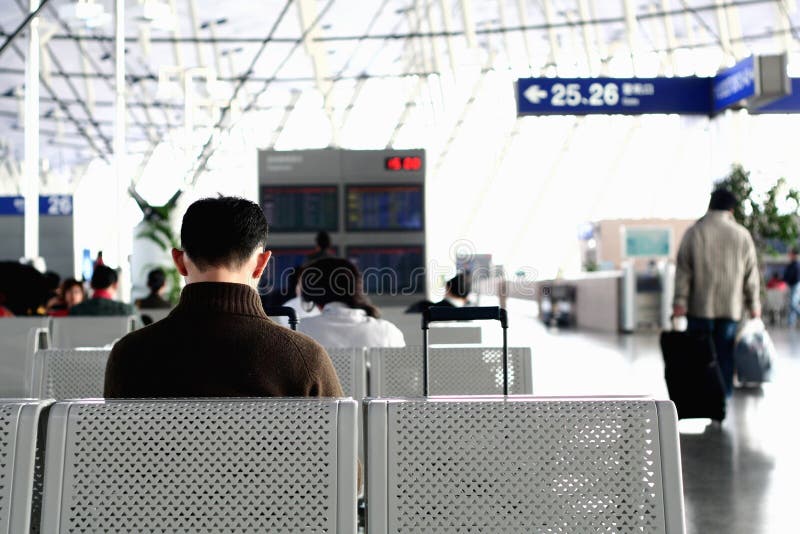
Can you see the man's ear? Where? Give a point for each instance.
(180, 262)
(261, 263)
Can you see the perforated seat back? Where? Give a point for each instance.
(74, 332)
(18, 427)
(201, 466)
(17, 339)
(350, 365)
(397, 372)
(522, 465)
(69, 373)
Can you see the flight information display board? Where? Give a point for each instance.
(283, 259)
(390, 270)
(380, 208)
(302, 208)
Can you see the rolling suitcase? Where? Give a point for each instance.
(436, 314)
(283, 311)
(692, 374)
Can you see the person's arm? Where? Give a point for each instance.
(114, 384)
(752, 280)
(683, 276)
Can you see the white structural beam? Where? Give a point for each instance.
(589, 42)
(123, 231)
(31, 187)
(631, 30)
(523, 20)
(195, 25)
(722, 29)
(550, 19)
(669, 33)
(469, 24)
(447, 22)
(308, 12)
(176, 47)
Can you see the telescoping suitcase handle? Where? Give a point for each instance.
(436, 314)
(283, 311)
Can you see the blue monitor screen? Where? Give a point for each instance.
(390, 270)
(276, 274)
(385, 207)
(301, 208)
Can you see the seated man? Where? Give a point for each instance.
(218, 342)
(157, 284)
(457, 291)
(104, 290)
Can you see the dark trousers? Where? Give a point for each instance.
(723, 332)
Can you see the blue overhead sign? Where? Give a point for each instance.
(787, 104)
(734, 84)
(49, 205)
(613, 96)
(12, 205)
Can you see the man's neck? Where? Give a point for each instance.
(219, 275)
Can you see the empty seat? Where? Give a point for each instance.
(74, 332)
(520, 465)
(201, 466)
(69, 373)
(19, 338)
(350, 365)
(397, 372)
(19, 420)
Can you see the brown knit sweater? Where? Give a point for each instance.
(218, 342)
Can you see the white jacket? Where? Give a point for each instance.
(339, 326)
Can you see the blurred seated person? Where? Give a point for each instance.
(69, 295)
(323, 250)
(348, 318)
(457, 291)
(104, 291)
(4, 312)
(218, 342)
(775, 282)
(157, 283)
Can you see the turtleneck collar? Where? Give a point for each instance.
(220, 297)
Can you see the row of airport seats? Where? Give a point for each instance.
(439, 465)
(378, 372)
(21, 337)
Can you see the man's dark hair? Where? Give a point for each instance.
(323, 240)
(103, 277)
(223, 231)
(460, 285)
(723, 200)
(156, 280)
(793, 250)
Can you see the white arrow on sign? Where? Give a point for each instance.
(534, 94)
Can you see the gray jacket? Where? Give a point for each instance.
(717, 273)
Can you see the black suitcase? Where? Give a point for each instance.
(692, 374)
(283, 311)
(436, 314)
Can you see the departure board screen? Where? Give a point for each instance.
(276, 274)
(390, 270)
(385, 207)
(301, 208)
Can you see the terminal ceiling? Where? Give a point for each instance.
(247, 58)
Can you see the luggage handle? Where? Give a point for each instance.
(470, 313)
(435, 314)
(283, 311)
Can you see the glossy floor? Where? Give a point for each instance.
(739, 477)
